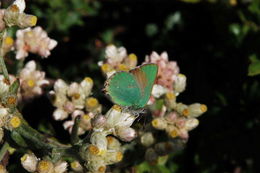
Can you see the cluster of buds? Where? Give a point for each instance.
(33, 164)
(31, 81)
(105, 149)
(117, 59)
(14, 16)
(175, 118)
(35, 41)
(75, 100)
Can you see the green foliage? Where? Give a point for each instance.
(254, 67)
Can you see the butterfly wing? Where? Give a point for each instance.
(145, 76)
(123, 89)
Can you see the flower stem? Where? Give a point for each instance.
(74, 135)
(3, 150)
(2, 62)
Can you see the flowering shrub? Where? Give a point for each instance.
(99, 138)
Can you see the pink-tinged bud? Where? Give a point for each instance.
(171, 117)
(183, 133)
(126, 134)
(69, 107)
(99, 121)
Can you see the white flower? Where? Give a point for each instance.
(60, 114)
(20, 4)
(99, 139)
(158, 90)
(29, 162)
(191, 124)
(60, 167)
(34, 41)
(115, 55)
(31, 80)
(180, 84)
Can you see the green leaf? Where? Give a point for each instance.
(143, 167)
(254, 67)
(18, 139)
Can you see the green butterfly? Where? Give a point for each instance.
(132, 89)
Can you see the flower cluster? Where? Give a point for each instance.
(117, 59)
(14, 16)
(33, 164)
(35, 41)
(105, 149)
(75, 100)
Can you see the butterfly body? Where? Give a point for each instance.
(133, 88)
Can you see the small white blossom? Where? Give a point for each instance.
(60, 167)
(20, 4)
(35, 41)
(115, 55)
(31, 80)
(29, 162)
(158, 90)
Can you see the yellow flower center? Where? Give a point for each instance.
(122, 67)
(15, 122)
(31, 83)
(106, 68)
(86, 117)
(24, 157)
(76, 96)
(8, 41)
(33, 20)
(119, 156)
(88, 79)
(203, 108)
(117, 108)
(185, 112)
(110, 139)
(132, 57)
(102, 169)
(91, 102)
(155, 123)
(170, 95)
(174, 133)
(74, 164)
(93, 150)
(44, 165)
(14, 8)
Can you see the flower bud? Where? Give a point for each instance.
(99, 121)
(191, 124)
(44, 166)
(170, 99)
(60, 167)
(151, 156)
(99, 139)
(180, 83)
(113, 157)
(87, 85)
(92, 104)
(131, 61)
(182, 109)
(171, 117)
(60, 114)
(76, 166)
(172, 131)
(29, 162)
(126, 134)
(147, 139)
(113, 143)
(159, 123)
(196, 109)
